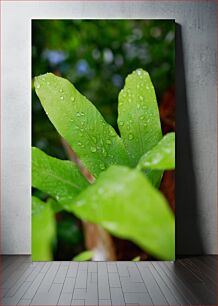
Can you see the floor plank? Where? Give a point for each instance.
(188, 281)
(154, 290)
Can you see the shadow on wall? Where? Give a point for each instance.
(188, 235)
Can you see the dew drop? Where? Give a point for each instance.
(79, 144)
(141, 98)
(130, 137)
(94, 139)
(93, 149)
(138, 71)
(72, 98)
(138, 105)
(82, 114)
(112, 133)
(37, 85)
(78, 114)
(141, 117)
(108, 141)
(61, 90)
(104, 153)
(102, 166)
(62, 98)
(48, 83)
(121, 123)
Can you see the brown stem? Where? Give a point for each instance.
(96, 238)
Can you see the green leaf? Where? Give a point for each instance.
(58, 178)
(86, 255)
(138, 115)
(43, 230)
(137, 258)
(154, 176)
(56, 206)
(79, 122)
(125, 203)
(160, 157)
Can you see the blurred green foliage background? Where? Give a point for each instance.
(96, 56)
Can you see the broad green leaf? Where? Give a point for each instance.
(125, 203)
(79, 122)
(58, 178)
(160, 157)
(86, 255)
(138, 115)
(43, 230)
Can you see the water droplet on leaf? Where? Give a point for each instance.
(93, 149)
(130, 137)
(104, 153)
(138, 71)
(102, 166)
(112, 133)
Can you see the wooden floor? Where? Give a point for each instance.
(188, 281)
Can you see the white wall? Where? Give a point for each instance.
(198, 21)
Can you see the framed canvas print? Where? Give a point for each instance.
(103, 139)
